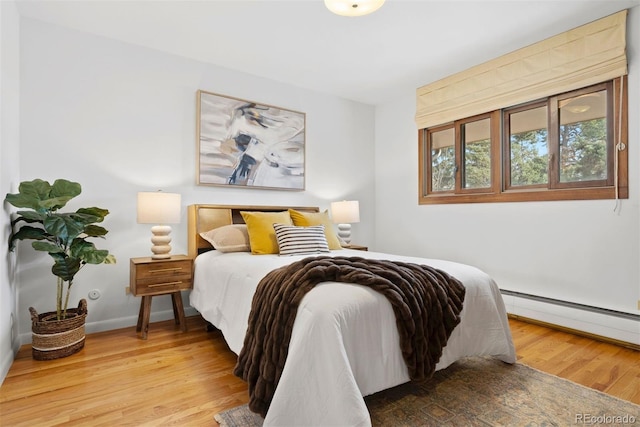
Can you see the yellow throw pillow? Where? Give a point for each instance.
(306, 219)
(262, 236)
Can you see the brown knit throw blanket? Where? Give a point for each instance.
(426, 302)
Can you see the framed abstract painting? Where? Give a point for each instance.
(245, 144)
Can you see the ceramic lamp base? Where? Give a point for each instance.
(344, 231)
(161, 248)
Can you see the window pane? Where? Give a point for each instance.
(443, 171)
(583, 138)
(477, 154)
(529, 147)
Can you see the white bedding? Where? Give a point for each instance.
(344, 343)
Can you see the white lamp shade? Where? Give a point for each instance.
(353, 7)
(345, 212)
(158, 208)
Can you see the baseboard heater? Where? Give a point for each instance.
(575, 305)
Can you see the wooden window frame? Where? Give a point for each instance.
(494, 136)
(426, 180)
(502, 191)
(506, 145)
(554, 140)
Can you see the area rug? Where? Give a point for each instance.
(483, 392)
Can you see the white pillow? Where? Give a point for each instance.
(228, 238)
(293, 240)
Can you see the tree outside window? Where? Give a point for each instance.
(559, 148)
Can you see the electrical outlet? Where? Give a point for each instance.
(639, 304)
(127, 291)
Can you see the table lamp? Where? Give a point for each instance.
(345, 213)
(161, 209)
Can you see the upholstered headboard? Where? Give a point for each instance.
(206, 217)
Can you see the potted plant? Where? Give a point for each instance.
(64, 236)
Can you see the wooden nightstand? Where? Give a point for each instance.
(151, 277)
(356, 247)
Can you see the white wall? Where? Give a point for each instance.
(581, 251)
(121, 119)
(9, 174)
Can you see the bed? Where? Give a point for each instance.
(344, 342)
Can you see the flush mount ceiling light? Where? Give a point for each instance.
(353, 7)
(582, 103)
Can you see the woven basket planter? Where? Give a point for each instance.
(53, 339)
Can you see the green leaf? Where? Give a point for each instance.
(87, 252)
(30, 216)
(64, 188)
(61, 192)
(24, 201)
(99, 213)
(66, 268)
(58, 256)
(63, 227)
(47, 247)
(95, 231)
(97, 256)
(79, 246)
(26, 232)
(83, 218)
(36, 189)
(110, 259)
(42, 197)
(54, 203)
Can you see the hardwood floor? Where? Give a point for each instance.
(176, 378)
(609, 368)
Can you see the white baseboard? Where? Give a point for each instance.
(121, 322)
(609, 326)
(5, 365)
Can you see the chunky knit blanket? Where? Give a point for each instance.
(426, 302)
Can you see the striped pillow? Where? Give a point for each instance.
(294, 240)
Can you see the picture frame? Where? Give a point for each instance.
(245, 144)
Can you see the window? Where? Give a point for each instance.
(476, 154)
(585, 139)
(443, 160)
(559, 148)
(526, 157)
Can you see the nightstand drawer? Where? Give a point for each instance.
(164, 270)
(157, 277)
(155, 287)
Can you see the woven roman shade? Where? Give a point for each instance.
(589, 54)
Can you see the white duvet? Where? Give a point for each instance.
(344, 343)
